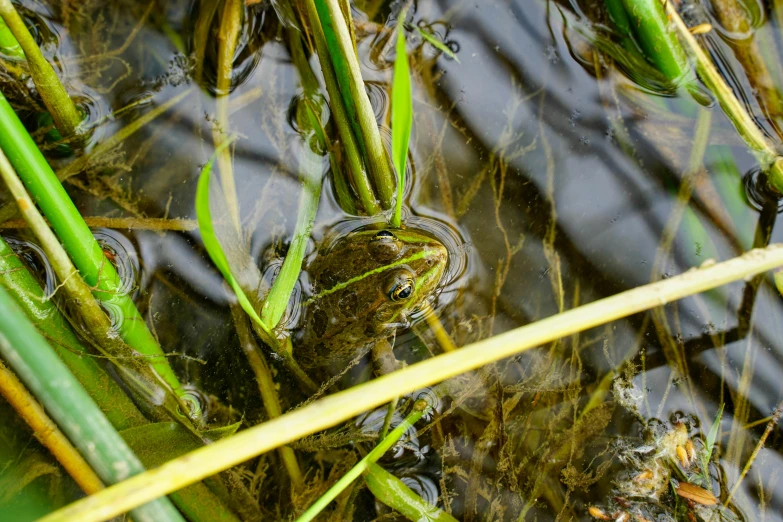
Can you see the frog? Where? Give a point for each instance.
(365, 285)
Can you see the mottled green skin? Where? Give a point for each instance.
(351, 281)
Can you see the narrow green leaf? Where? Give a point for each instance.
(779, 280)
(394, 493)
(401, 117)
(419, 409)
(713, 433)
(211, 243)
(433, 40)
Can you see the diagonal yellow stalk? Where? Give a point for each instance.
(334, 409)
(47, 432)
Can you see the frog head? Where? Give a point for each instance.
(365, 285)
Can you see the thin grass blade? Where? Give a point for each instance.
(211, 243)
(402, 116)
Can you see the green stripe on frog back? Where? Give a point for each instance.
(415, 257)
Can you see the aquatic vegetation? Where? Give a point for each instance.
(551, 222)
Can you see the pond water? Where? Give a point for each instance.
(553, 176)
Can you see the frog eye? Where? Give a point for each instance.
(384, 246)
(384, 235)
(401, 290)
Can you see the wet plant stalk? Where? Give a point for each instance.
(47, 432)
(65, 114)
(278, 297)
(733, 17)
(402, 116)
(282, 348)
(397, 495)
(419, 409)
(230, 27)
(8, 44)
(649, 21)
(42, 312)
(733, 108)
(359, 177)
(353, 93)
(267, 388)
(46, 376)
(311, 87)
(339, 407)
(78, 240)
(135, 370)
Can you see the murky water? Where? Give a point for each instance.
(553, 178)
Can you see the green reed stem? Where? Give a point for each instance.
(351, 88)
(359, 177)
(70, 406)
(419, 409)
(78, 241)
(768, 157)
(648, 19)
(65, 114)
(341, 406)
(311, 87)
(98, 329)
(42, 312)
(277, 299)
(8, 44)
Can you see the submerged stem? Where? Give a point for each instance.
(230, 27)
(65, 114)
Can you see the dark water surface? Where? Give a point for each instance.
(553, 179)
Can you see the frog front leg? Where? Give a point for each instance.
(383, 357)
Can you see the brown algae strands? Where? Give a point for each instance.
(334, 409)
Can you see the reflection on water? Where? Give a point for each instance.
(555, 170)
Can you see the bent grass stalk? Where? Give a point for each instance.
(334, 409)
(397, 495)
(78, 240)
(8, 44)
(420, 408)
(65, 114)
(402, 116)
(218, 256)
(45, 375)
